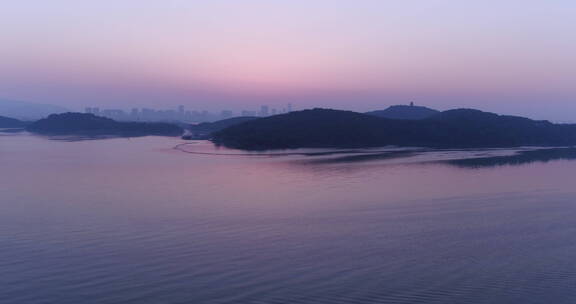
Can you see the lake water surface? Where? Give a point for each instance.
(138, 221)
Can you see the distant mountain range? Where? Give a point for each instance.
(92, 125)
(334, 128)
(410, 112)
(26, 110)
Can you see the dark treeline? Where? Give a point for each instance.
(7, 122)
(89, 124)
(334, 128)
(410, 112)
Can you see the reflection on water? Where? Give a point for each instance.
(520, 158)
(137, 221)
(463, 158)
(460, 158)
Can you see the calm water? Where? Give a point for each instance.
(137, 221)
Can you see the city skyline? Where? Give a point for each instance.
(182, 114)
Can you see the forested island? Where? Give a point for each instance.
(7, 122)
(92, 125)
(463, 128)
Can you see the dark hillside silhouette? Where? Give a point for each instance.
(7, 122)
(90, 124)
(410, 112)
(468, 127)
(312, 128)
(334, 128)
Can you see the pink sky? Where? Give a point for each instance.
(515, 57)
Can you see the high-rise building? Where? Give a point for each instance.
(264, 111)
(226, 114)
(134, 115)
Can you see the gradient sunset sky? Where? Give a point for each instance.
(509, 56)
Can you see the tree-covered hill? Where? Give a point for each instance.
(90, 124)
(334, 128)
